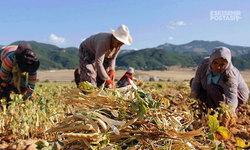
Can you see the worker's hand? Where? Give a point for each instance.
(137, 80)
(112, 74)
(28, 94)
(110, 83)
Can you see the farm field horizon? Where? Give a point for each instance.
(181, 74)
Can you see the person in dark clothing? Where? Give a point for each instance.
(77, 76)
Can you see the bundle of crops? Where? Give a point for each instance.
(120, 118)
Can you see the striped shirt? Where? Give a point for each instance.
(7, 54)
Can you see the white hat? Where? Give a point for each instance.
(131, 70)
(122, 34)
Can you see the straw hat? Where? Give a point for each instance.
(122, 34)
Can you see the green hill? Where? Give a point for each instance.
(53, 57)
(157, 59)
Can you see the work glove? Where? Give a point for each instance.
(112, 74)
(110, 83)
(28, 94)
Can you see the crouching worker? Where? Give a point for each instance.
(77, 77)
(18, 70)
(98, 53)
(126, 78)
(218, 81)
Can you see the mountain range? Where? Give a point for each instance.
(203, 47)
(156, 58)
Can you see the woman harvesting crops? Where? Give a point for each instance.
(18, 70)
(218, 81)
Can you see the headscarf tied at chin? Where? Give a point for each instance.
(220, 52)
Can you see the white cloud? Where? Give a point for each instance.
(171, 27)
(180, 23)
(57, 40)
(170, 38)
(173, 24)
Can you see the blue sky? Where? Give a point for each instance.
(151, 23)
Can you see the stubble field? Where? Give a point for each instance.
(157, 115)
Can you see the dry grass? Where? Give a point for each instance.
(173, 75)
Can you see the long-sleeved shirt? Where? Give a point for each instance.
(236, 84)
(100, 45)
(7, 54)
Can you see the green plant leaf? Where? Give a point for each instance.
(135, 107)
(40, 145)
(221, 146)
(213, 123)
(142, 111)
(54, 146)
(157, 104)
(87, 86)
(211, 136)
(150, 103)
(61, 143)
(141, 93)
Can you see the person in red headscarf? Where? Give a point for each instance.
(126, 78)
